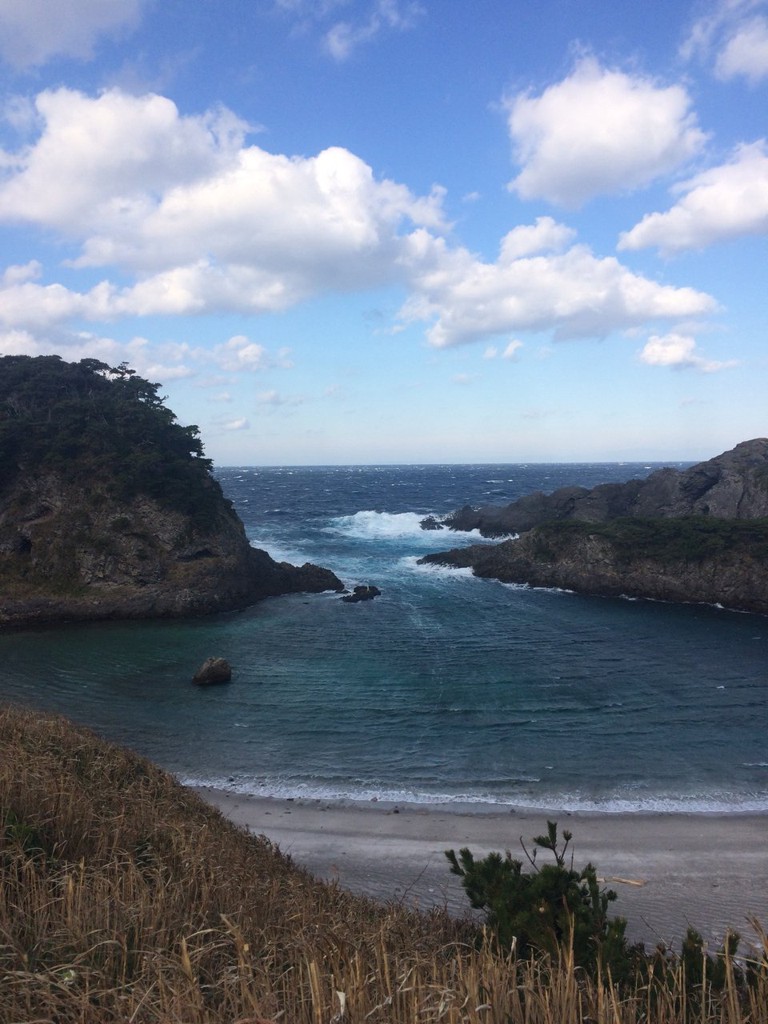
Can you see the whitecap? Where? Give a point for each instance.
(396, 526)
(412, 562)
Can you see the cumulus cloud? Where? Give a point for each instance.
(599, 131)
(204, 221)
(239, 424)
(722, 203)
(734, 36)
(31, 31)
(679, 352)
(195, 220)
(573, 293)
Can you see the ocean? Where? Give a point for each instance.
(445, 689)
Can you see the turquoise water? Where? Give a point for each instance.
(445, 688)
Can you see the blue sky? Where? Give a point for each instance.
(367, 231)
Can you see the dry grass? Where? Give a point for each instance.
(126, 898)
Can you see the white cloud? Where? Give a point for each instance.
(202, 220)
(679, 352)
(275, 398)
(33, 31)
(734, 36)
(21, 273)
(345, 36)
(238, 424)
(572, 293)
(746, 52)
(722, 203)
(510, 352)
(546, 235)
(197, 221)
(239, 353)
(599, 131)
(102, 163)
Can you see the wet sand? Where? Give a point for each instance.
(669, 870)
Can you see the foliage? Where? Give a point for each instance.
(98, 422)
(551, 908)
(687, 539)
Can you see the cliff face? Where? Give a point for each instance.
(733, 485)
(69, 552)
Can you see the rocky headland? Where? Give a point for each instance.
(733, 485)
(697, 535)
(108, 508)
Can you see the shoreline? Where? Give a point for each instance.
(669, 869)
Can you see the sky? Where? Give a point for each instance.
(398, 231)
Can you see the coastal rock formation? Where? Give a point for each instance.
(733, 485)
(700, 535)
(681, 561)
(361, 593)
(108, 508)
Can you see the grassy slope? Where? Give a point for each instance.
(126, 898)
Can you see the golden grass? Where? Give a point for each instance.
(126, 898)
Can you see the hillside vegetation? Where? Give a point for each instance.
(101, 423)
(123, 897)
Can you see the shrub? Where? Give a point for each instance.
(551, 909)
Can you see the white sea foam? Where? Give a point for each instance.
(382, 526)
(281, 789)
(411, 562)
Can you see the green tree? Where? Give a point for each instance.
(552, 908)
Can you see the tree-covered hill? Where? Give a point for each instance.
(108, 507)
(101, 422)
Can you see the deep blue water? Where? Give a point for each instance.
(444, 688)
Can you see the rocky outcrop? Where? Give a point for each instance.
(733, 485)
(700, 535)
(213, 672)
(362, 593)
(685, 561)
(69, 552)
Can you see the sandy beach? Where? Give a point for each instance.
(669, 870)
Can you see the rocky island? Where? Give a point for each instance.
(109, 508)
(697, 535)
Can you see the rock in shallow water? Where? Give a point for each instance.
(361, 593)
(213, 672)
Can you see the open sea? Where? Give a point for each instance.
(444, 689)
